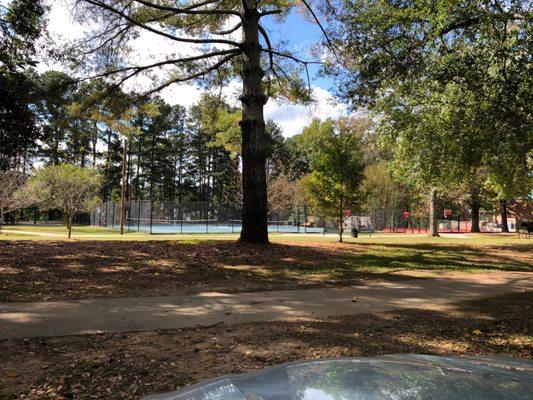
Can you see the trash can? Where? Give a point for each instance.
(355, 232)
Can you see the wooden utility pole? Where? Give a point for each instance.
(123, 188)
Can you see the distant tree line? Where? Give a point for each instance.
(175, 154)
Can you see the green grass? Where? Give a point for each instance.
(84, 232)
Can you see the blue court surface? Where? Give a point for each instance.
(214, 228)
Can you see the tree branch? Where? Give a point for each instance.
(271, 59)
(228, 31)
(158, 32)
(270, 12)
(191, 77)
(268, 43)
(315, 17)
(139, 69)
(465, 23)
(189, 10)
(291, 57)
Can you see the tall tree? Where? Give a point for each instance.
(335, 158)
(21, 24)
(165, 153)
(56, 92)
(382, 192)
(479, 49)
(211, 27)
(10, 198)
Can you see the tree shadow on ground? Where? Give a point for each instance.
(428, 255)
(128, 365)
(36, 270)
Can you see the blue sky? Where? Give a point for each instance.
(301, 35)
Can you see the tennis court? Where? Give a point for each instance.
(208, 226)
(194, 217)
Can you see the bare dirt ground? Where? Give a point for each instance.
(129, 365)
(63, 270)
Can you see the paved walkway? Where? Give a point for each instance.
(149, 313)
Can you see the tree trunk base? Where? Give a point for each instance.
(253, 240)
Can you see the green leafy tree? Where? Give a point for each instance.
(21, 24)
(335, 158)
(56, 92)
(68, 188)
(18, 130)
(215, 146)
(381, 192)
(164, 156)
(10, 198)
(436, 138)
(474, 52)
(124, 124)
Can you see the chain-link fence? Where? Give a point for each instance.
(380, 220)
(203, 217)
(197, 217)
(461, 222)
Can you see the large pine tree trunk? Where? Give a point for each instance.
(254, 205)
(503, 209)
(433, 222)
(475, 205)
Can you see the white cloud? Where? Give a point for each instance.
(185, 95)
(294, 117)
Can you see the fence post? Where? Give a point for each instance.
(128, 215)
(173, 213)
(139, 217)
(305, 218)
(232, 216)
(151, 214)
(113, 217)
(207, 219)
(181, 218)
(298, 219)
